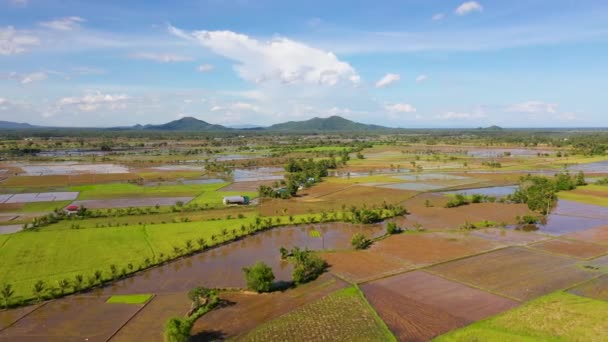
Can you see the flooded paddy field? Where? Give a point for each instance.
(516, 272)
(418, 306)
(595, 235)
(38, 197)
(495, 191)
(10, 229)
(75, 318)
(131, 202)
(222, 266)
(596, 288)
(69, 168)
(258, 174)
(573, 248)
(501, 152)
(361, 266)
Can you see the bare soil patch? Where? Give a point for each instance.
(75, 318)
(8, 317)
(148, 324)
(597, 235)
(516, 272)
(509, 236)
(359, 266)
(244, 311)
(577, 249)
(418, 306)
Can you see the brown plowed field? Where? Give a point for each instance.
(438, 217)
(516, 272)
(577, 249)
(596, 235)
(429, 248)
(418, 306)
(77, 318)
(148, 324)
(509, 236)
(8, 317)
(359, 266)
(596, 288)
(243, 312)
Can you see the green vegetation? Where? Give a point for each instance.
(130, 299)
(359, 241)
(556, 317)
(178, 329)
(344, 315)
(540, 193)
(128, 190)
(259, 277)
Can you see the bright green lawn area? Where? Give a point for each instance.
(127, 190)
(44, 206)
(344, 315)
(591, 194)
(214, 198)
(52, 255)
(556, 317)
(129, 299)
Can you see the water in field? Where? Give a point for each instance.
(515, 152)
(229, 157)
(412, 186)
(200, 168)
(430, 176)
(222, 266)
(495, 191)
(569, 217)
(258, 174)
(70, 168)
(597, 167)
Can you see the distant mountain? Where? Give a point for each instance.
(185, 124)
(331, 124)
(15, 125)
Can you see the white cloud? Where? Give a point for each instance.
(279, 59)
(92, 101)
(63, 24)
(387, 80)
(532, 107)
(468, 7)
(161, 57)
(477, 114)
(400, 108)
(33, 77)
(204, 68)
(421, 78)
(438, 16)
(13, 41)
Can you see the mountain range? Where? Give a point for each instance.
(330, 124)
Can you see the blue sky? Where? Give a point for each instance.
(408, 63)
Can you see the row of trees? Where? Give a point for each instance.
(540, 193)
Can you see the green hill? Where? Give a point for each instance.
(333, 124)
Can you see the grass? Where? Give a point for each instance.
(344, 315)
(214, 198)
(129, 299)
(127, 190)
(44, 206)
(556, 317)
(52, 255)
(590, 194)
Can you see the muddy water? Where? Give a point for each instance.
(601, 166)
(569, 217)
(222, 266)
(496, 191)
(515, 152)
(258, 174)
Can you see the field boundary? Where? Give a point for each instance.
(130, 318)
(22, 317)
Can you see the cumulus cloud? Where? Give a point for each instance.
(421, 78)
(532, 107)
(279, 59)
(13, 41)
(438, 16)
(161, 57)
(204, 68)
(388, 79)
(92, 101)
(468, 7)
(63, 24)
(400, 108)
(477, 114)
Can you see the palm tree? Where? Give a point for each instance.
(201, 243)
(7, 292)
(189, 246)
(63, 285)
(113, 271)
(177, 250)
(97, 276)
(39, 289)
(78, 279)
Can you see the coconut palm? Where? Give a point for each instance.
(39, 289)
(78, 280)
(7, 292)
(63, 285)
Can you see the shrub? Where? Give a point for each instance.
(457, 201)
(259, 277)
(359, 241)
(177, 330)
(308, 266)
(391, 228)
(528, 219)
